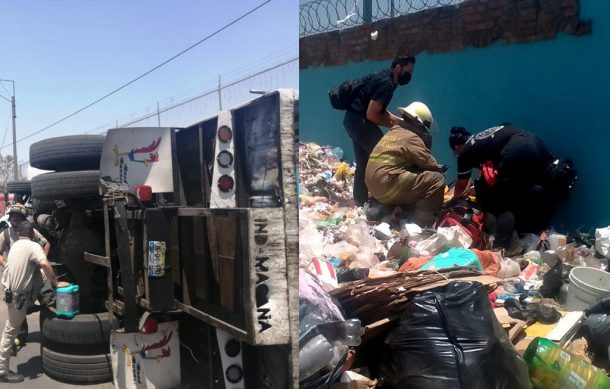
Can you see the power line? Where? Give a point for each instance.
(202, 88)
(3, 86)
(146, 73)
(5, 131)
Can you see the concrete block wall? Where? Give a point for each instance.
(473, 23)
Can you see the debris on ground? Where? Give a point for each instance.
(544, 288)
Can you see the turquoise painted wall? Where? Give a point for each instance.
(559, 89)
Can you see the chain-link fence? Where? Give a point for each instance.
(227, 94)
(318, 16)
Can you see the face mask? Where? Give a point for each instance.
(404, 79)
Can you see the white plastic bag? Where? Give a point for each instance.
(456, 236)
(602, 241)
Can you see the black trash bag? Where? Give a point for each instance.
(596, 327)
(348, 275)
(596, 330)
(450, 338)
(552, 281)
(543, 313)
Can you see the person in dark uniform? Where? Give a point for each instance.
(368, 111)
(512, 162)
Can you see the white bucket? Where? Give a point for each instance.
(586, 286)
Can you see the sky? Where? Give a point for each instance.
(65, 54)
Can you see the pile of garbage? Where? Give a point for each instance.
(388, 303)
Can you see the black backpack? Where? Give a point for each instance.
(560, 177)
(341, 96)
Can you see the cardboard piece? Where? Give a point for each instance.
(514, 327)
(559, 332)
(485, 280)
(352, 380)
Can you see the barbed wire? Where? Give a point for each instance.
(318, 16)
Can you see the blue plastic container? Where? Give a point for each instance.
(66, 303)
(454, 257)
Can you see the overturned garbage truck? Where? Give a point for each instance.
(183, 243)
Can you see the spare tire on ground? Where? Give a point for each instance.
(21, 187)
(84, 334)
(77, 369)
(66, 185)
(68, 153)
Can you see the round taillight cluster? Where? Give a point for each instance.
(234, 374)
(225, 158)
(225, 134)
(226, 183)
(233, 348)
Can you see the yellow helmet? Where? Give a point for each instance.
(419, 111)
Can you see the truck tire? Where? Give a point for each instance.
(44, 206)
(68, 153)
(84, 334)
(21, 187)
(66, 185)
(77, 369)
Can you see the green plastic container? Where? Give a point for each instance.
(551, 367)
(66, 303)
(455, 256)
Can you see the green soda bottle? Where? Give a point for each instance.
(551, 367)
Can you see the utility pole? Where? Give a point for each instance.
(14, 108)
(219, 94)
(158, 115)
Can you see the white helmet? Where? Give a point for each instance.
(419, 111)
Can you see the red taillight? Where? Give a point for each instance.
(143, 192)
(226, 183)
(150, 326)
(225, 134)
(225, 158)
(233, 348)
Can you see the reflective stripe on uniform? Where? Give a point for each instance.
(385, 159)
(404, 180)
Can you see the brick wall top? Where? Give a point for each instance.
(474, 23)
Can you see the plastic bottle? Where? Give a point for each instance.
(556, 241)
(551, 367)
(350, 332)
(338, 153)
(316, 354)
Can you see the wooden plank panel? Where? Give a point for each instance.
(97, 259)
(289, 122)
(267, 306)
(199, 258)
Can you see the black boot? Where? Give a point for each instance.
(11, 378)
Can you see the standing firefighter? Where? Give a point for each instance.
(402, 170)
(368, 110)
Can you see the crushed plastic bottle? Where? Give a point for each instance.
(314, 355)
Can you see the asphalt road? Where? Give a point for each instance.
(28, 361)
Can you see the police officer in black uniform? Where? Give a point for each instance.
(369, 110)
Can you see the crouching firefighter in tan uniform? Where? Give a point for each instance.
(24, 260)
(401, 169)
